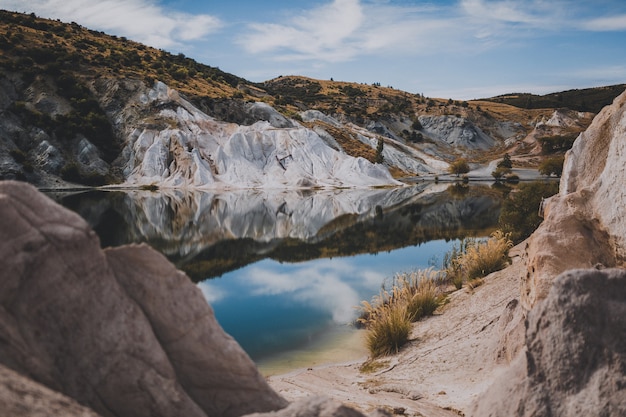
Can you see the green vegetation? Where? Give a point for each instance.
(500, 172)
(587, 99)
(519, 215)
(458, 167)
(552, 165)
(553, 144)
(379, 151)
(481, 259)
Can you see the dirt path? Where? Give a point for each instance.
(453, 357)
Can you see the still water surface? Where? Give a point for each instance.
(286, 271)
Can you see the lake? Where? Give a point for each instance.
(286, 270)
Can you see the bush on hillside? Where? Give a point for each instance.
(519, 215)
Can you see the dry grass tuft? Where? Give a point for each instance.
(388, 317)
(482, 259)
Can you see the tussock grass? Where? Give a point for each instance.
(389, 331)
(418, 294)
(389, 315)
(474, 259)
(481, 260)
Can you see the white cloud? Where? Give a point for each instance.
(533, 13)
(140, 20)
(345, 29)
(612, 23)
(324, 32)
(211, 293)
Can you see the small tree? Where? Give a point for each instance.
(552, 166)
(379, 151)
(458, 167)
(506, 162)
(500, 172)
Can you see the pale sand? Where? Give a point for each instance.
(452, 358)
(344, 345)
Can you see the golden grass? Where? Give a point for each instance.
(482, 259)
(389, 331)
(388, 317)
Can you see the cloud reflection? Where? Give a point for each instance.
(211, 292)
(335, 287)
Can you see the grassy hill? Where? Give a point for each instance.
(586, 99)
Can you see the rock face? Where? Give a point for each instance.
(121, 330)
(584, 225)
(196, 151)
(456, 131)
(575, 362)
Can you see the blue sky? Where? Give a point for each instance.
(459, 49)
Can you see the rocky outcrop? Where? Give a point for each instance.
(584, 224)
(575, 360)
(456, 131)
(196, 151)
(121, 330)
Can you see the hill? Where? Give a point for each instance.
(71, 98)
(586, 99)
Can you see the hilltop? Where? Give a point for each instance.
(75, 102)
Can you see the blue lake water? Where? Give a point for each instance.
(272, 308)
(285, 271)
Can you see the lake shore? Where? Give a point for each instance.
(453, 356)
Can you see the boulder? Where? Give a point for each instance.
(119, 330)
(584, 224)
(575, 362)
(23, 397)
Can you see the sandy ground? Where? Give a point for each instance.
(452, 358)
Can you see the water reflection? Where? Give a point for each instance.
(208, 234)
(292, 266)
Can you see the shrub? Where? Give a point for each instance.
(379, 152)
(458, 167)
(473, 259)
(500, 172)
(388, 317)
(506, 162)
(484, 258)
(519, 214)
(551, 166)
(389, 332)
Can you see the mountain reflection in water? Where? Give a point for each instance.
(293, 264)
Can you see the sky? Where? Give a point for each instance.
(460, 49)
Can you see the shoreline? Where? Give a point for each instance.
(451, 358)
(342, 347)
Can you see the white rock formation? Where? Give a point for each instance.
(197, 151)
(456, 131)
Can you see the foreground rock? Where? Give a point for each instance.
(23, 397)
(584, 225)
(575, 361)
(120, 331)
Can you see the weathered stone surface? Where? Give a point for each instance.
(318, 406)
(120, 330)
(23, 397)
(575, 362)
(584, 225)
